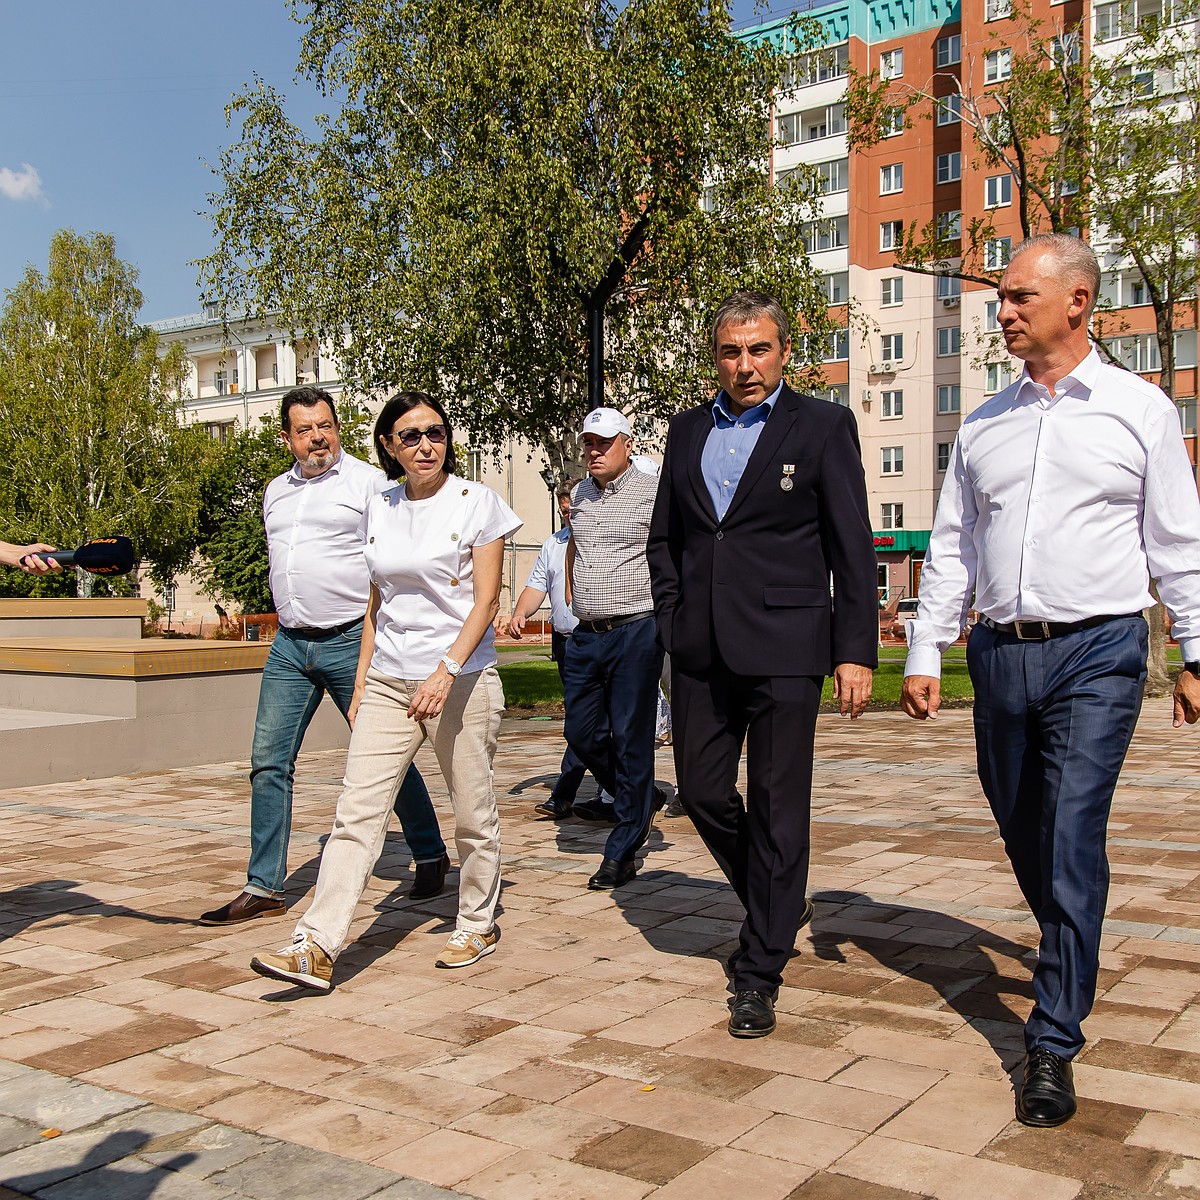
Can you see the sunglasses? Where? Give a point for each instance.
(412, 437)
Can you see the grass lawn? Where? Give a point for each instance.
(535, 685)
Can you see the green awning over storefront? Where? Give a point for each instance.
(902, 541)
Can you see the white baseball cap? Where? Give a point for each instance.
(605, 422)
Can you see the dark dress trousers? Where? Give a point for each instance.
(745, 611)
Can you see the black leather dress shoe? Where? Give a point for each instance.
(553, 808)
(245, 907)
(430, 878)
(594, 810)
(751, 1014)
(1047, 1095)
(613, 872)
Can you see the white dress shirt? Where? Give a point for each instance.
(549, 575)
(1062, 506)
(319, 576)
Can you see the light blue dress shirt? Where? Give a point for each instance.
(729, 446)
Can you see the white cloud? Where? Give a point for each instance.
(25, 184)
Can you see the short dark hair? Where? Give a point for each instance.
(306, 397)
(744, 307)
(567, 486)
(392, 411)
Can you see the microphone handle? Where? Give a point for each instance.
(64, 558)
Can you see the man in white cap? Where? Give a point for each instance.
(613, 660)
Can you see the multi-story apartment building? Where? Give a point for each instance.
(919, 352)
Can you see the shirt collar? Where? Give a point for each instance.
(722, 417)
(1081, 380)
(614, 485)
(335, 469)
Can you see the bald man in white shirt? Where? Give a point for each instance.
(1066, 494)
(319, 582)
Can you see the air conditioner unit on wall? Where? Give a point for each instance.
(949, 301)
(887, 367)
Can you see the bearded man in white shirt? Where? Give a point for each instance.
(1067, 493)
(319, 582)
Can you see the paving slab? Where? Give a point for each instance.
(588, 1056)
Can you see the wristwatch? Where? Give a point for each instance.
(454, 668)
(1192, 668)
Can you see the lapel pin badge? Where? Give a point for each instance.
(785, 484)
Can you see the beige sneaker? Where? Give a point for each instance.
(303, 962)
(466, 947)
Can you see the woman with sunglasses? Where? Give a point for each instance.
(434, 545)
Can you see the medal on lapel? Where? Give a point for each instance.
(785, 484)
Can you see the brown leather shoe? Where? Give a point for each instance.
(245, 907)
(430, 878)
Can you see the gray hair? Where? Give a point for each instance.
(743, 308)
(1074, 255)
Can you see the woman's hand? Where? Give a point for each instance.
(355, 703)
(430, 698)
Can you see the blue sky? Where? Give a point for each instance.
(109, 110)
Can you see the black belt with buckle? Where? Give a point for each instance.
(311, 632)
(1042, 631)
(604, 624)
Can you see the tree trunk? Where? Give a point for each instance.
(1158, 683)
(83, 583)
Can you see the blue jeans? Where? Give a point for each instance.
(298, 673)
(610, 686)
(1053, 721)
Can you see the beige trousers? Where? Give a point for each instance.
(383, 743)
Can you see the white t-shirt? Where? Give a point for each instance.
(419, 556)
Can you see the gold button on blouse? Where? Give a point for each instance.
(454, 583)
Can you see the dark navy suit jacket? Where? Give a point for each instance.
(752, 591)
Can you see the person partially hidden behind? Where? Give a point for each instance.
(320, 584)
(762, 504)
(1067, 493)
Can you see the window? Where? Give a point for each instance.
(275, 372)
(831, 234)
(997, 65)
(891, 346)
(891, 179)
(836, 287)
(708, 199)
(991, 316)
(220, 431)
(819, 123)
(949, 225)
(891, 516)
(949, 398)
(949, 109)
(1139, 352)
(997, 191)
(949, 338)
(949, 287)
(943, 455)
(804, 69)
(891, 235)
(1113, 21)
(787, 128)
(474, 465)
(893, 405)
(996, 252)
(892, 460)
(999, 376)
(1187, 415)
(1064, 49)
(949, 167)
(221, 382)
(833, 176)
(997, 10)
(838, 393)
(893, 122)
(891, 291)
(837, 346)
(949, 50)
(891, 64)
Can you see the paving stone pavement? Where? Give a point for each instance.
(588, 1057)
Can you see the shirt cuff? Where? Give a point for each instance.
(923, 660)
(1189, 649)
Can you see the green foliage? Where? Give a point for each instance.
(487, 162)
(88, 428)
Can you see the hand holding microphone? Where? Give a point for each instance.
(100, 556)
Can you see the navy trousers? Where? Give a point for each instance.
(610, 686)
(571, 771)
(762, 844)
(1053, 721)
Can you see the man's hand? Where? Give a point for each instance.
(1187, 699)
(852, 686)
(516, 625)
(921, 696)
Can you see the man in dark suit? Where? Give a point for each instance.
(761, 501)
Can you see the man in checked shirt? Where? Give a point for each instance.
(613, 660)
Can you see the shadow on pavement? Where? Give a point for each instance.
(99, 1173)
(33, 903)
